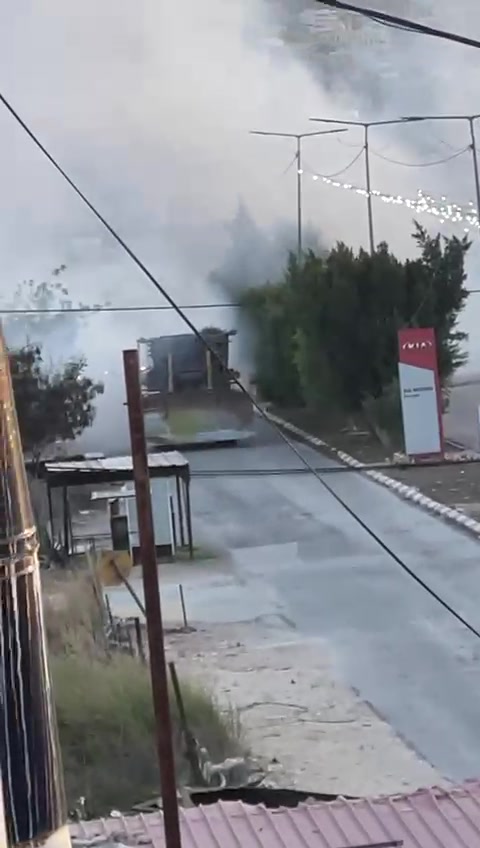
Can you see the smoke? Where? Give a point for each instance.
(148, 106)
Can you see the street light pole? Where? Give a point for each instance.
(298, 159)
(366, 126)
(473, 146)
(369, 191)
(299, 197)
(471, 122)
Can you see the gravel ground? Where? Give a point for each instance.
(305, 728)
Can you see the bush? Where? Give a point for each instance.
(105, 712)
(384, 416)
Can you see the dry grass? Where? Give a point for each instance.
(104, 707)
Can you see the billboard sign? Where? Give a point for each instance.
(420, 392)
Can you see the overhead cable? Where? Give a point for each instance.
(401, 23)
(420, 164)
(95, 309)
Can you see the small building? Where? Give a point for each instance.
(121, 517)
(170, 487)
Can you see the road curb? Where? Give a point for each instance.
(409, 493)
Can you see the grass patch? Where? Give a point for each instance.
(104, 708)
(200, 552)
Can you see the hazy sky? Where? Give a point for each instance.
(149, 106)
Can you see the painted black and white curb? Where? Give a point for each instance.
(410, 493)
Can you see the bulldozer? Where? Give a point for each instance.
(190, 396)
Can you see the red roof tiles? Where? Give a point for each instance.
(429, 818)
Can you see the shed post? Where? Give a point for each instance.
(188, 511)
(50, 513)
(66, 545)
(180, 510)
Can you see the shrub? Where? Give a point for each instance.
(105, 712)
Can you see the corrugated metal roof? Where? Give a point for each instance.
(429, 818)
(168, 459)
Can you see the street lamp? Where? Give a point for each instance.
(366, 126)
(471, 121)
(298, 159)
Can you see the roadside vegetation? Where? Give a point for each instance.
(104, 707)
(326, 331)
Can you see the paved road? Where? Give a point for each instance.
(300, 557)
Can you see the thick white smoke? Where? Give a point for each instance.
(148, 106)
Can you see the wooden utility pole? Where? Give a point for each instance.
(30, 765)
(156, 646)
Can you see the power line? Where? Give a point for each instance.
(92, 310)
(178, 309)
(420, 164)
(343, 170)
(380, 154)
(401, 23)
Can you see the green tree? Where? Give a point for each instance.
(328, 329)
(51, 406)
(276, 373)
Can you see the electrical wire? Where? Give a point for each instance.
(337, 173)
(401, 23)
(419, 164)
(93, 310)
(161, 290)
(295, 157)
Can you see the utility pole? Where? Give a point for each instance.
(471, 121)
(473, 146)
(156, 646)
(30, 764)
(371, 237)
(366, 126)
(299, 198)
(298, 159)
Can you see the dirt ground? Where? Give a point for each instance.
(456, 483)
(304, 728)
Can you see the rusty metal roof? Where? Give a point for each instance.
(117, 463)
(429, 818)
(104, 470)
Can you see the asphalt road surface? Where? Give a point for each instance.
(300, 557)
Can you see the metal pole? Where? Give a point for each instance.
(369, 196)
(66, 545)
(30, 764)
(299, 197)
(475, 162)
(180, 511)
(158, 667)
(188, 511)
(191, 747)
(184, 609)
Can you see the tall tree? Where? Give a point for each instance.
(328, 329)
(51, 406)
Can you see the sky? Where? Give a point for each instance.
(148, 106)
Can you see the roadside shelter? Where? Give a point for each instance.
(66, 474)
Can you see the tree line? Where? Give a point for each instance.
(326, 332)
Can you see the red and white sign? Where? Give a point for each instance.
(420, 392)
